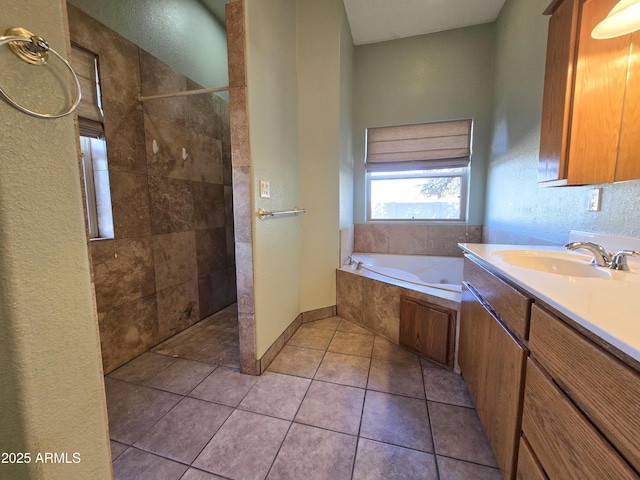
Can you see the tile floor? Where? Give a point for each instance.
(212, 340)
(336, 403)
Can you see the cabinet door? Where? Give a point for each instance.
(628, 166)
(428, 329)
(558, 82)
(492, 363)
(598, 97)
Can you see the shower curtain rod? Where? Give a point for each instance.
(183, 94)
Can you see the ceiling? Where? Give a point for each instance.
(380, 20)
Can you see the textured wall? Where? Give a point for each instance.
(441, 76)
(51, 389)
(347, 52)
(172, 260)
(324, 127)
(515, 203)
(181, 33)
(273, 135)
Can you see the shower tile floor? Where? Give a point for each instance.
(336, 403)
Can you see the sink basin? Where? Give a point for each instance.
(558, 263)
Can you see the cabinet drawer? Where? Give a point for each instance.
(509, 304)
(528, 466)
(564, 441)
(604, 388)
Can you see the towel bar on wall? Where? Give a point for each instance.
(262, 213)
(35, 50)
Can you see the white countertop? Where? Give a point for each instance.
(607, 307)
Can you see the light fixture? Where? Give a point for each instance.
(624, 18)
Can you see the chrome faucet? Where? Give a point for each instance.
(600, 256)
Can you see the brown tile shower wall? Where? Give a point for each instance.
(404, 239)
(172, 261)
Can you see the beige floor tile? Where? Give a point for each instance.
(330, 324)
(352, 344)
(331, 406)
(183, 432)
(446, 386)
(142, 368)
(451, 469)
(116, 449)
(226, 386)
(387, 350)
(301, 362)
(244, 447)
(311, 453)
(344, 369)
(457, 433)
(309, 337)
(193, 474)
(139, 465)
(394, 377)
(397, 420)
(377, 460)
(349, 327)
(132, 409)
(181, 377)
(276, 395)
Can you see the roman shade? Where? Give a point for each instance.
(90, 117)
(420, 146)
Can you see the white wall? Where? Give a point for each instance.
(51, 387)
(515, 202)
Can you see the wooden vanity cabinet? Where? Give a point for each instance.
(557, 402)
(584, 100)
(582, 404)
(492, 362)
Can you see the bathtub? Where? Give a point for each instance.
(370, 293)
(440, 273)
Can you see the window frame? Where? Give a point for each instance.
(433, 173)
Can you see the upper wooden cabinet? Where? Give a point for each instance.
(591, 99)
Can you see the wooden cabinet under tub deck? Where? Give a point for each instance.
(572, 413)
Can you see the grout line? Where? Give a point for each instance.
(469, 462)
(433, 437)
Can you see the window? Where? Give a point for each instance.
(93, 145)
(418, 172)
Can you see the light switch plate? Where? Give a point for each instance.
(265, 189)
(595, 199)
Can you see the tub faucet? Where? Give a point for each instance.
(600, 256)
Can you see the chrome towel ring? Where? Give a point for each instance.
(35, 50)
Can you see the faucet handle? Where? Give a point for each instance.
(619, 261)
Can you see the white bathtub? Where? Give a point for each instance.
(442, 273)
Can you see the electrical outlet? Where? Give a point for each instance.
(265, 189)
(595, 199)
